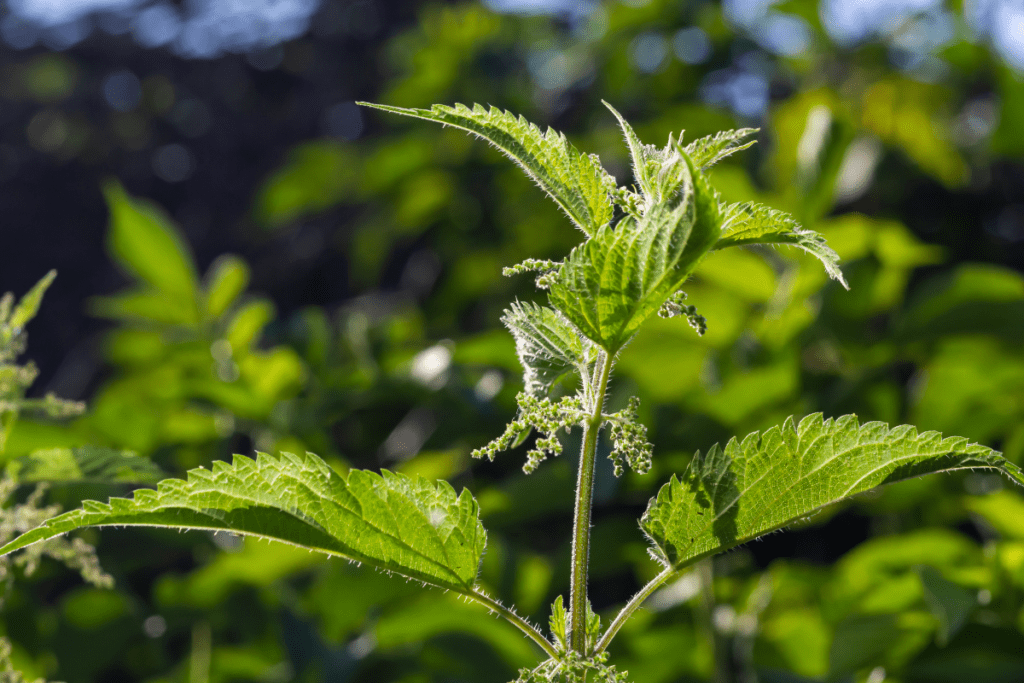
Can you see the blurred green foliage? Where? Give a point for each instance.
(929, 584)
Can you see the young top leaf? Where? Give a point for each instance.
(750, 223)
(610, 284)
(646, 158)
(767, 481)
(656, 168)
(661, 173)
(709, 150)
(576, 181)
(547, 344)
(390, 521)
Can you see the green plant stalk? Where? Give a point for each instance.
(584, 503)
(633, 605)
(522, 624)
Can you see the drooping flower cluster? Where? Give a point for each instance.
(629, 440)
(540, 414)
(544, 268)
(675, 307)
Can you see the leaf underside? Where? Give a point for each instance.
(709, 150)
(767, 481)
(749, 223)
(547, 345)
(396, 523)
(576, 181)
(613, 282)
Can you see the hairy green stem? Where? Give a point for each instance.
(522, 624)
(633, 605)
(584, 503)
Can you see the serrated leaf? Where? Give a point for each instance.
(750, 223)
(709, 150)
(767, 481)
(610, 284)
(646, 158)
(547, 345)
(93, 464)
(559, 624)
(661, 172)
(396, 523)
(576, 181)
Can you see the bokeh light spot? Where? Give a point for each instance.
(691, 45)
(122, 90)
(172, 163)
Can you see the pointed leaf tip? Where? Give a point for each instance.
(576, 181)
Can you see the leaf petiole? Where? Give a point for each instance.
(633, 605)
(523, 625)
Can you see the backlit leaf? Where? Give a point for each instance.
(144, 242)
(390, 521)
(576, 181)
(767, 481)
(750, 223)
(610, 284)
(709, 150)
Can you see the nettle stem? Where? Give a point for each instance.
(584, 503)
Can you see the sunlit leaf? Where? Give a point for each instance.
(143, 241)
(769, 480)
(390, 521)
(226, 279)
(645, 157)
(750, 223)
(709, 150)
(613, 282)
(576, 181)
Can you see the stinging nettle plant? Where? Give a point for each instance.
(642, 243)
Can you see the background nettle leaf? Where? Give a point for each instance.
(767, 481)
(576, 181)
(610, 284)
(397, 523)
(749, 223)
(547, 344)
(92, 464)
